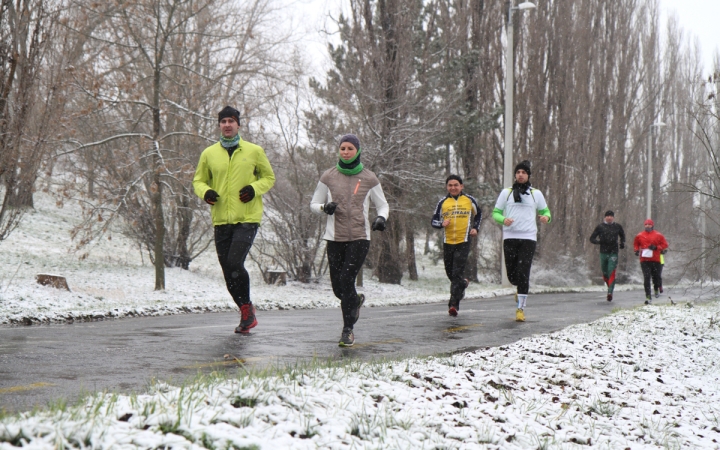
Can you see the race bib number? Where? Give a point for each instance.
(647, 253)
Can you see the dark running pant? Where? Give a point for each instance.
(345, 259)
(651, 269)
(232, 243)
(608, 264)
(455, 257)
(518, 261)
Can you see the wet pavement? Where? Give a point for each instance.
(49, 362)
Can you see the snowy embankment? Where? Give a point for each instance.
(642, 378)
(111, 278)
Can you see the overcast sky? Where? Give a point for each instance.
(700, 18)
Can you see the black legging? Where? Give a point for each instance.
(232, 243)
(345, 260)
(455, 257)
(518, 261)
(651, 269)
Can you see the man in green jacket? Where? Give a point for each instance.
(231, 177)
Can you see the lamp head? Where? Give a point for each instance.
(526, 5)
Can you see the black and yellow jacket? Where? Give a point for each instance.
(460, 211)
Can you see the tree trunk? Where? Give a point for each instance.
(410, 249)
(471, 268)
(159, 225)
(389, 268)
(184, 228)
(157, 197)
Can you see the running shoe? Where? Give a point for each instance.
(347, 339)
(361, 302)
(519, 315)
(648, 300)
(247, 319)
(453, 308)
(609, 297)
(657, 293)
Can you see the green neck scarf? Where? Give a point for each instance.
(230, 142)
(351, 166)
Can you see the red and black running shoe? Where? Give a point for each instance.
(247, 319)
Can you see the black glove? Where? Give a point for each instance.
(211, 197)
(379, 224)
(652, 247)
(247, 193)
(329, 208)
(622, 245)
(664, 251)
(637, 252)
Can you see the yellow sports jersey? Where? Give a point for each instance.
(460, 211)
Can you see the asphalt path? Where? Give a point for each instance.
(46, 363)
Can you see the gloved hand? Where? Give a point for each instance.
(211, 197)
(652, 247)
(664, 251)
(637, 252)
(329, 208)
(247, 193)
(622, 245)
(379, 224)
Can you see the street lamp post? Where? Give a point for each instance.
(509, 91)
(649, 169)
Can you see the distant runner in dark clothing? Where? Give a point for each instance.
(607, 235)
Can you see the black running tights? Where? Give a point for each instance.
(232, 243)
(455, 258)
(651, 269)
(345, 260)
(518, 261)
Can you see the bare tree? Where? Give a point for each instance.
(377, 90)
(160, 71)
(32, 76)
(291, 236)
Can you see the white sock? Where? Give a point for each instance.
(522, 299)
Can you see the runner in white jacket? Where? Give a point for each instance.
(516, 209)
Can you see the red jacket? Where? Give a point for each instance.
(643, 241)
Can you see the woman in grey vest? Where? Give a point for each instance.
(344, 193)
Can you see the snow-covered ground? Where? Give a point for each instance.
(111, 278)
(641, 378)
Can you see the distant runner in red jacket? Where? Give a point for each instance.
(648, 245)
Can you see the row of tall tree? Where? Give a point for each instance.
(116, 101)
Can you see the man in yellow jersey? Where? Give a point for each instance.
(459, 215)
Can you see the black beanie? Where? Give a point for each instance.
(524, 165)
(229, 111)
(609, 213)
(351, 138)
